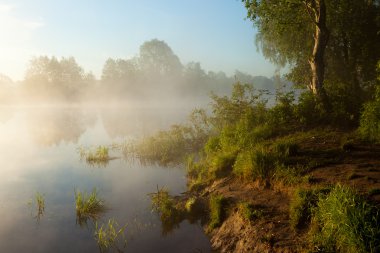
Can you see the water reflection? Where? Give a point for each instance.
(38, 153)
(52, 126)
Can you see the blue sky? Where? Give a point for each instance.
(213, 32)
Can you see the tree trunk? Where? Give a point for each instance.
(321, 37)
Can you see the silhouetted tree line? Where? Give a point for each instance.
(156, 72)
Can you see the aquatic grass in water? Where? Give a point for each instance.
(95, 156)
(88, 206)
(163, 203)
(110, 235)
(170, 214)
(40, 200)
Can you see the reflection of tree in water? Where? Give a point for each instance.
(138, 121)
(52, 126)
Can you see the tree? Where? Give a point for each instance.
(157, 58)
(307, 34)
(52, 78)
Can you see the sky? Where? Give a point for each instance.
(212, 32)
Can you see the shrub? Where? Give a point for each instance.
(345, 222)
(309, 111)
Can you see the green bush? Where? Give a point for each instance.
(369, 128)
(345, 222)
(309, 110)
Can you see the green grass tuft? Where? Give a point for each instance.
(217, 204)
(345, 222)
(248, 212)
(254, 164)
(110, 235)
(95, 156)
(88, 206)
(302, 204)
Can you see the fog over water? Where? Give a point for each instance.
(59, 107)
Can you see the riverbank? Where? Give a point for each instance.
(330, 160)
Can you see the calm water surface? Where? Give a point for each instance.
(38, 153)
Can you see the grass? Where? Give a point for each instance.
(302, 204)
(165, 206)
(344, 222)
(163, 203)
(109, 235)
(189, 205)
(221, 164)
(217, 204)
(248, 212)
(258, 163)
(352, 175)
(40, 200)
(285, 148)
(95, 156)
(374, 191)
(88, 206)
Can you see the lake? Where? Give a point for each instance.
(39, 154)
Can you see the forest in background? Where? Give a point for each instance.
(155, 74)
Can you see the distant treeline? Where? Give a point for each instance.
(155, 73)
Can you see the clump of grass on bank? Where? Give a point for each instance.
(110, 235)
(88, 206)
(258, 163)
(248, 212)
(344, 222)
(217, 211)
(302, 204)
(374, 191)
(285, 148)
